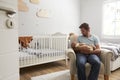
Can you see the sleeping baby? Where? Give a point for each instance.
(80, 46)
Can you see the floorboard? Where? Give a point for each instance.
(28, 72)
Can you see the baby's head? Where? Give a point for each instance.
(73, 44)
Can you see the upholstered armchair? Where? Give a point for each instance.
(105, 63)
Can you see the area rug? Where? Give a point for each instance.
(61, 75)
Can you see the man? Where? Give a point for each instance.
(84, 55)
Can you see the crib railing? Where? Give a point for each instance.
(43, 49)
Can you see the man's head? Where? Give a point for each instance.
(85, 29)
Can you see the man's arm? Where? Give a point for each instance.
(97, 46)
(97, 50)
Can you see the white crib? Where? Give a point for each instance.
(43, 49)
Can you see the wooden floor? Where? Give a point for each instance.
(27, 73)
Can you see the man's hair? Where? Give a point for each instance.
(85, 26)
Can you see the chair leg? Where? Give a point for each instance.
(72, 76)
(106, 77)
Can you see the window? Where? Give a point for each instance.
(111, 18)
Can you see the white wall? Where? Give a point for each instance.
(91, 12)
(65, 17)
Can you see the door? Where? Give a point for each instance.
(9, 57)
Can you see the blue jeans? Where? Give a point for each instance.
(81, 60)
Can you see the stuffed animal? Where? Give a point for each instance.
(25, 40)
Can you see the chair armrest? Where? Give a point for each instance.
(71, 55)
(106, 56)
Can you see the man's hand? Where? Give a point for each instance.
(96, 51)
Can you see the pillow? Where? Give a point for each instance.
(72, 38)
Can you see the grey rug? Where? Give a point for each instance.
(61, 75)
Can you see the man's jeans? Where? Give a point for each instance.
(81, 60)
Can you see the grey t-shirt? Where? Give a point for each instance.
(92, 40)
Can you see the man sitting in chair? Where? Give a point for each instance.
(84, 54)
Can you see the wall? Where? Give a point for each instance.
(65, 17)
(91, 12)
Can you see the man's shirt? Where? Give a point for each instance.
(92, 40)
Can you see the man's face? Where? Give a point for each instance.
(84, 32)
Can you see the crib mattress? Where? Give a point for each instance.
(33, 53)
(43, 51)
(27, 59)
(26, 56)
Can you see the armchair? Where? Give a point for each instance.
(105, 63)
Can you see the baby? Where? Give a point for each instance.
(81, 45)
